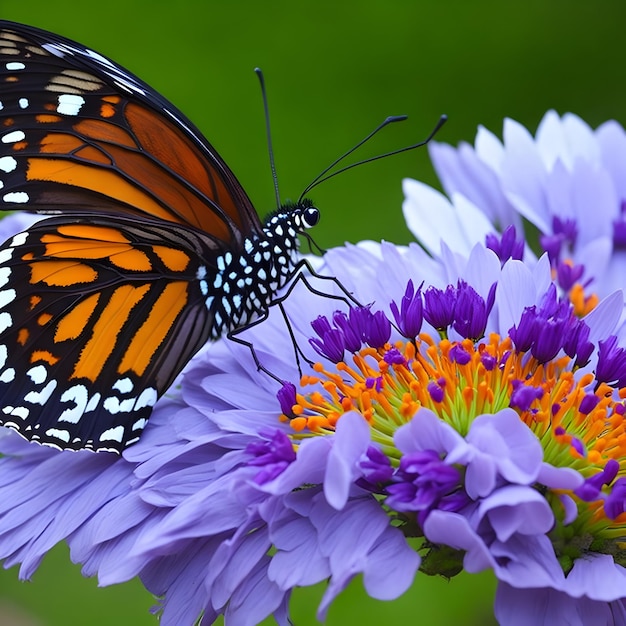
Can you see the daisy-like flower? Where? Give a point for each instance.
(568, 182)
(469, 418)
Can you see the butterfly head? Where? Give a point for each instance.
(291, 220)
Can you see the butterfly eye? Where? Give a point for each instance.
(310, 217)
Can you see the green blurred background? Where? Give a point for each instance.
(334, 70)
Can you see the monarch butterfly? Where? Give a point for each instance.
(152, 247)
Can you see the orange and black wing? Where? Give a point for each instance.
(81, 133)
(101, 306)
(95, 322)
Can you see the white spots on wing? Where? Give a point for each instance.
(140, 424)
(18, 411)
(19, 239)
(123, 385)
(41, 397)
(7, 164)
(3, 355)
(6, 321)
(19, 197)
(70, 104)
(7, 296)
(60, 434)
(14, 136)
(77, 394)
(23, 103)
(92, 405)
(5, 272)
(15, 66)
(112, 434)
(114, 405)
(38, 374)
(8, 375)
(147, 397)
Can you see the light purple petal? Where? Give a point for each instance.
(548, 607)
(454, 530)
(598, 577)
(427, 432)
(391, 567)
(350, 443)
(516, 509)
(516, 447)
(559, 477)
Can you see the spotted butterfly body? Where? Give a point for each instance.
(152, 247)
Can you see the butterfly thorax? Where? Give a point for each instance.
(241, 286)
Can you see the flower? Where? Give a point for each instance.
(567, 181)
(470, 416)
(440, 417)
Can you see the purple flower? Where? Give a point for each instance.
(286, 396)
(378, 330)
(507, 246)
(330, 343)
(471, 311)
(439, 307)
(524, 395)
(459, 440)
(548, 180)
(611, 362)
(410, 315)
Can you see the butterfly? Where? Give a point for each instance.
(151, 246)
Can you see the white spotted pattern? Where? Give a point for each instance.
(79, 395)
(6, 321)
(70, 104)
(7, 164)
(19, 239)
(14, 136)
(18, 197)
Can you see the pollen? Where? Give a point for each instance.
(389, 385)
(579, 421)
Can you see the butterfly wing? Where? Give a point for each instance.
(81, 133)
(95, 322)
(102, 306)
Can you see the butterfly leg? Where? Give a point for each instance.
(233, 336)
(298, 275)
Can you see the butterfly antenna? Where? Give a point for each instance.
(390, 120)
(268, 130)
(396, 118)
